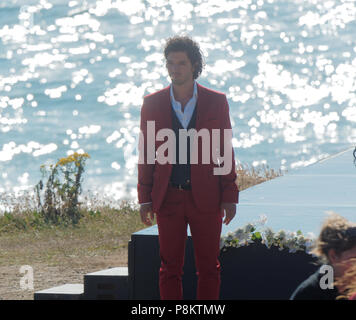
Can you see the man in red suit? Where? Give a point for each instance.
(183, 188)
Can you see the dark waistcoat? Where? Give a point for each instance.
(181, 172)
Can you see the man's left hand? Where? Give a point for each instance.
(230, 211)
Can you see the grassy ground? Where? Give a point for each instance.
(63, 254)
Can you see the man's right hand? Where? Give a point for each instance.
(147, 215)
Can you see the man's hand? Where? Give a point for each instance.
(147, 215)
(230, 210)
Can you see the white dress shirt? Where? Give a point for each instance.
(184, 117)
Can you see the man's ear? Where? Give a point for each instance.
(333, 256)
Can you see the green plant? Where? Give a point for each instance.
(57, 200)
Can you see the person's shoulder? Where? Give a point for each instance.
(310, 289)
(306, 290)
(211, 92)
(156, 95)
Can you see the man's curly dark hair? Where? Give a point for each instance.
(190, 47)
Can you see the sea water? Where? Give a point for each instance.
(73, 75)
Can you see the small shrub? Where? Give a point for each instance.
(57, 199)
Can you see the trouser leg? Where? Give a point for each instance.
(206, 231)
(172, 228)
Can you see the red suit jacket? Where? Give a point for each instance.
(208, 190)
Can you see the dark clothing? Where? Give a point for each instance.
(310, 289)
(181, 171)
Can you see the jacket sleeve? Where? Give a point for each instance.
(228, 182)
(145, 170)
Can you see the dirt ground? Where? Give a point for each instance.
(47, 276)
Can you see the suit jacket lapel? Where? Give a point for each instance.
(166, 110)
(200, 107)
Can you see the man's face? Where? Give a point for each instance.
(343, 261)
(179, 67)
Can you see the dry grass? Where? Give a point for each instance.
(248, 176)
(63, 254)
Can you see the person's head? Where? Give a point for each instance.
(184, 60)
(336, 243)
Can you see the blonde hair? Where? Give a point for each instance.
(348, 281)
(336, 233)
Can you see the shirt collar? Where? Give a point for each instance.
(195, 92)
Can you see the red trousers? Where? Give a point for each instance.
(177, 211)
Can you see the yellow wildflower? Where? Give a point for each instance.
(75, 157)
